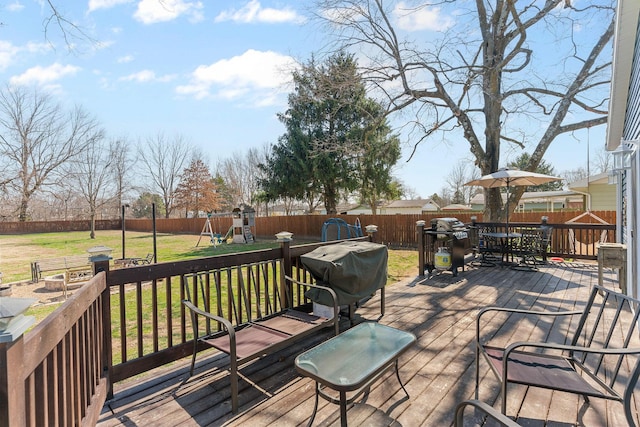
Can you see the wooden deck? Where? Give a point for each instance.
(438, 372)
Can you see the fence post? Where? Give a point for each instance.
(12, 381)
(421, 261)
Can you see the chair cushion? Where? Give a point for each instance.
(540, 370)
(249, 340)
(292, 322)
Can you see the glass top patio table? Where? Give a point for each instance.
(346, 362)
(352, 361)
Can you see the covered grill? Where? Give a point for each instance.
(354, 270)
(450, 234)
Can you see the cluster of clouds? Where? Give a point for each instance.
(253, 77)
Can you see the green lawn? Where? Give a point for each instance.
(18, 251)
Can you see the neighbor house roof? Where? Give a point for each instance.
(407, 204)
(456, 207)
(582, 184)
(411, 204)
(531, 196)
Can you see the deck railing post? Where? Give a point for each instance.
(421, 259)
(287, 266)
(371, 232)
(12, 381)
(102, 265)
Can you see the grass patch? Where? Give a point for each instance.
(18, 251)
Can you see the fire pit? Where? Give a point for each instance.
(54, 283)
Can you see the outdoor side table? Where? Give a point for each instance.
(613, 255)
(352, 361)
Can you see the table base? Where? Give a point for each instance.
(344, 402)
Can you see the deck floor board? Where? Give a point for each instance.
(438, 372)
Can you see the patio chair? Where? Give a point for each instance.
(530, 249)
(485, 411)
(488, 248)
(603, 341)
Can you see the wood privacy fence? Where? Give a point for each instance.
(28, 227)
(396, 231)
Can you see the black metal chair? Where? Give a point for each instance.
(601, 359)
(529, 249)
(485, 411)
(488, 249)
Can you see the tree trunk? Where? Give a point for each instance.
(22, 212)
(92, 234)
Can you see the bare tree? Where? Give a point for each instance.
(37, 138)
(240, 173)
(481, 78)
(461, 173)
(574, 175)
(92, 173)
(121, 168)
(72, 34)
(603, 161)
(165, 158)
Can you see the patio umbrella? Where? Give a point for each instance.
(511, 177)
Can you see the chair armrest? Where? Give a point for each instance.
(331, 292)
(520, 311)
(483, 407)
(227, 325)
(572, 348)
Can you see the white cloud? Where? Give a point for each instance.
(153, 11)
(16, 6)
(44, 75)
(147, 76)
(261, 75)
(125, 59)
(254, 12)
(423, 18)
(105, 4)
(9, 52)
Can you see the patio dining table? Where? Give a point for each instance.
(505, 242)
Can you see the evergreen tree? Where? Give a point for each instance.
(523, 160)
(335, 141)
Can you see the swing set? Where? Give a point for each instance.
(215, 238)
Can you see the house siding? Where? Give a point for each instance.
(628, 188)
(632, 118)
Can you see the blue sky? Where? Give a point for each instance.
(215, 72)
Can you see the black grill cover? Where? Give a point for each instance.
(354, 270)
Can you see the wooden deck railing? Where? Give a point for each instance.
(149, 325)
(568, 241)
(54, 374)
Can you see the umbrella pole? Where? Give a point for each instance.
(507, 209)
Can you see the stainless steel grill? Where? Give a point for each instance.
(449, 233)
